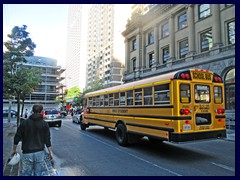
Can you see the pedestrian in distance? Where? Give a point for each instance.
(35, 135)
(26, 113)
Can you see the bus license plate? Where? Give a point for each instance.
(186, 127)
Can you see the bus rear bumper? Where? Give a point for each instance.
(176, 137)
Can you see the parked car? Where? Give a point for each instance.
(77, 118)
(52, 117)
(13, 113)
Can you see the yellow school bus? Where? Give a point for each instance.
(180, 106)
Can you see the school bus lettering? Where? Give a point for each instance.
(120, 111)
(201, 75)
(204, 107)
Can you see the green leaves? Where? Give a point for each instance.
(18, 80)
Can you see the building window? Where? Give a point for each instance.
(133, 64)
(134, 44)
(204, 10)
(150, 38)
(151, 59)
(165, 30)
(165, 54)
(230, 89)
(231, 32)
(206, 41)
(183, 48)
(182, 21)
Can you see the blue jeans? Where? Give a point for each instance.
(32, 164)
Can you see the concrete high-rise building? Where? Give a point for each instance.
(47, 92)
(75, 65)
(105, 44)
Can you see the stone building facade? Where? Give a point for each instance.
(170, 37)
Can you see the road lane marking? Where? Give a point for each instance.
(224, 166)
(130, 154)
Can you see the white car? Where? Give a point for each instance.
(77, 118)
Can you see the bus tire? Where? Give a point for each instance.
(82, 126)
(121, 135)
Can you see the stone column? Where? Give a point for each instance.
(216, 25)
(191, 28)
(156, 44)
(172, 37)
(143, 50)
(138, 50)
(127, 60)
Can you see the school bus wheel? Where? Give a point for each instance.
(121, 134)
(82, 126)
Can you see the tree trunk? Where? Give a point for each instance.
(22, 115)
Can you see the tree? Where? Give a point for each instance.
(18, 80)
(97, 85)
(73, 92)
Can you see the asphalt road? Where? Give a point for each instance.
(95, 152)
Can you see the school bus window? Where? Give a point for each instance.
(110, 99)
(122, 99)
(138, 96)
(116, 99)
(106, 100)
(185, 96)
(97, 101)
(147, 96)
(202, 93)
(129, 98)
(101, 100)
(94, 102)
(218, 94)
(90, 102)
(161, 94)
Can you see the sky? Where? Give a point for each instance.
(47, 25)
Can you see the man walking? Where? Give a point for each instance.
(34, 134)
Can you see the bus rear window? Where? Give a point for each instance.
(202, 93)
(217, 94)
(185, 96)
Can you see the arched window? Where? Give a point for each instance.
(230, 89)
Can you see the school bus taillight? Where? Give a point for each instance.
(220, 111)
(220, 120)
(188, 122)
(184, 111)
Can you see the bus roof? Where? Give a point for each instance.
(134, 84)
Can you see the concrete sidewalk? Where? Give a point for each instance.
(9, 130)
